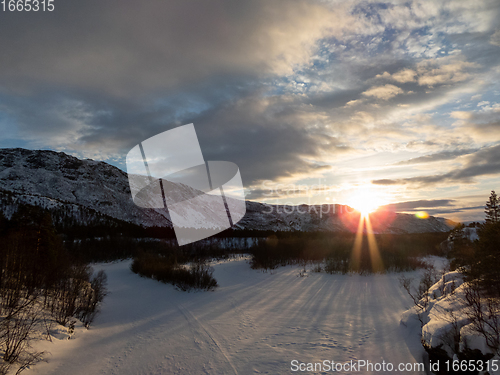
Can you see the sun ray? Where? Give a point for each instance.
(358, 243)
(377, 264)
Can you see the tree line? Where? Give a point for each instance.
(333, 252)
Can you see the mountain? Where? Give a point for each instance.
(87, 192)
(260, 216)
(81, 188)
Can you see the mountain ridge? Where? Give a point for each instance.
(89, 188)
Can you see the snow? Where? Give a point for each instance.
(254, 323)
(471, 233)
(447, 295)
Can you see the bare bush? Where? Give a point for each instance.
(420, 295)
(484, 314)
(93, 297)
(198, 276)
(17, 328)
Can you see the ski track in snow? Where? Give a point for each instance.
(192, 319)
(253, 323)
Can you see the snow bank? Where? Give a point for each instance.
(445, 316)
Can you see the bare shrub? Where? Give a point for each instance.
(17, 328)
(164, 269)
(484, 314)
(420, 295)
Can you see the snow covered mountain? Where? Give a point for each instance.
(55, 180)
(88, 191)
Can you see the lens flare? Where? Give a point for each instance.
(422, 215)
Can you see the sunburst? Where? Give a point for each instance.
(366, 200)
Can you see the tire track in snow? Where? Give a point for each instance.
(193, 319)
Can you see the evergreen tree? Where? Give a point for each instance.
(485, 266)
(493, 208)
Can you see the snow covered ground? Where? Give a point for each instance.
(254, 323)
(446, 314)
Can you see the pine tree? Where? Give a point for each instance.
(485, 268)
(493, 208)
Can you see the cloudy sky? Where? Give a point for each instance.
(400, 99)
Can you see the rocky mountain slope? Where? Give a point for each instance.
(85, 191)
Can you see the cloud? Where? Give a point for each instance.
(270, 138)
(269, 144)
(462, 115)
(430, 73)
(440, 156)
(351, 103)
(485, 162)
(457, 209)
(383, 92)
(495, 38)
(482, 124)
(402, 76)
(159, 45)
(420, 204)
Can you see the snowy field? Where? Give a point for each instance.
(253, 323)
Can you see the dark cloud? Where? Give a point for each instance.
(128, 47)
(267, 138)
(414, 205)
(455, 210)
(482, 163)
(98, 77)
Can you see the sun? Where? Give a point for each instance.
(365, 200)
